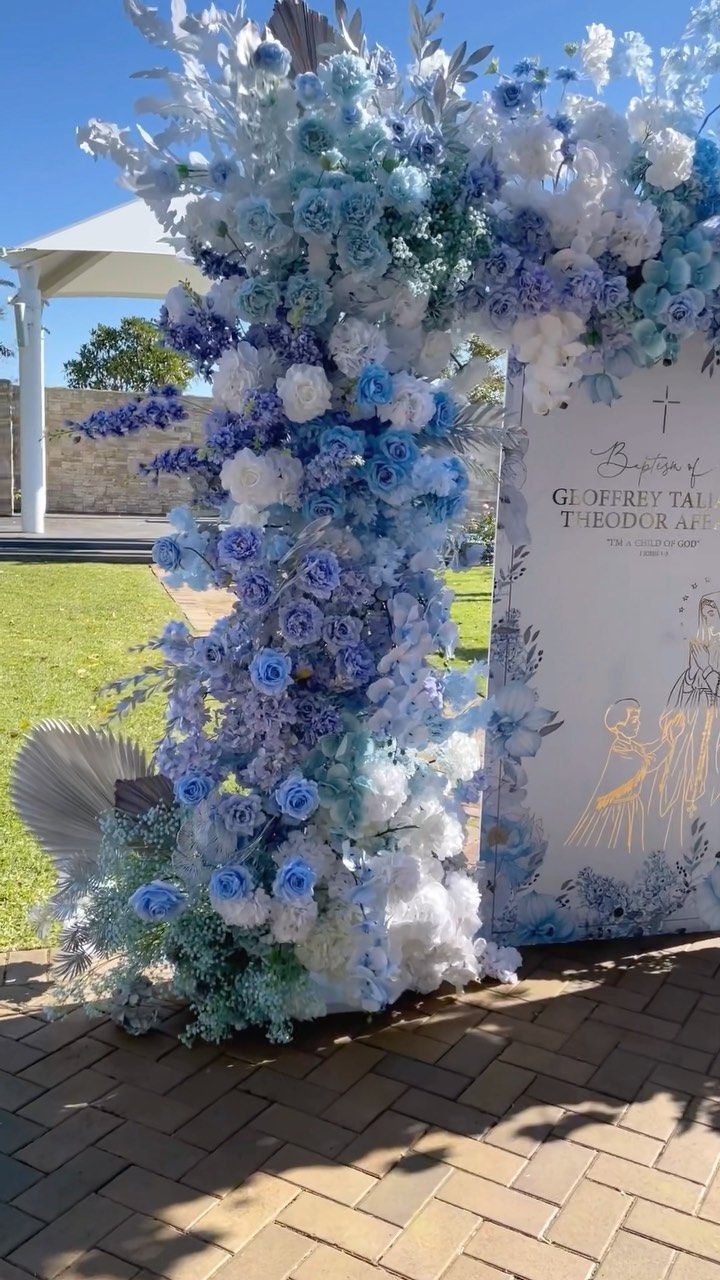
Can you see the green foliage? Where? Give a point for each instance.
(482, 528)
(492, 389)
(126, 358)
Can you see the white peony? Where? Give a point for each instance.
(671, 155)
(530, 150)
(305, 392)
(408, 309)
(238, 373)
(496, 961)
(412, 405)
(548, 345)
(461, 755)
(637, 232)
(596, 52)
(354, 344)
(386, 792)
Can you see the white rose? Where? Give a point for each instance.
(354, 344)
(305, 392)
(288, 474)
(246, 478)
(412, 405)
(238, 373)
(671, 156)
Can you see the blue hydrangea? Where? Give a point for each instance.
(271, 671)
(239, 545)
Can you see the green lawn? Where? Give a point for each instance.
(65, 632)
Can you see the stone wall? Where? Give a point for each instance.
(95, 477)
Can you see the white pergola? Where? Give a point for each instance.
(117, 254)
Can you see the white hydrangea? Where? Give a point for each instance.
(596, 52)
(461, 755)
(354, 344)
(308, 846)
(530, 150)
(412, 405)
(305, 392)
(387, 791)
(329, 946)
(671, 155)
(245, 913)
(601, 127)
(238, 373)
(257, 481)
(292, 923)
(637, 232)
(548, 345)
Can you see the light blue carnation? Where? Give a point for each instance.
(316, 215)
(307, 299)
(407, 189)
(257, 301)
(347, 77)
(314, 136)
(362, 253)
(258, 224)
(359, 204)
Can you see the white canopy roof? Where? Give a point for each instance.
(117, 254)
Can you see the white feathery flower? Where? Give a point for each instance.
(412, 405)
(596, 52)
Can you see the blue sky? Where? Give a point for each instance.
(64, 62)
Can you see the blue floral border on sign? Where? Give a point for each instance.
(513, 842)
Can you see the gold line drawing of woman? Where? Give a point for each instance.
(614, 816)
(684, 781)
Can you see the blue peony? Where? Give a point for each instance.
(307, 299)
(192, 788)
(231, 883)
(158, 902)
(374, 387)
(399, 446)
(270, 671)
(257, 300)
(539, 919)
(316, 215)
(297, 797)
(301, 622)
(273, 59)
(294, 882)
(239, 814)
(319, 573)
(443, 419)
(239, 544)
(167, 553)
(309, 89)
(314, 136)
(255, 590)
(362, 252)
(258, 224)
(358, 204)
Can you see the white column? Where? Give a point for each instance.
(32, 404)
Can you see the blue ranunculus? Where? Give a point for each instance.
(238, 813)
(398, 445)
(257, 300)
(273, 59)
(239, 544)
(316, 214)
(270, 671)
(443, 419)
(309, 89)
(314, 136)
(374, 387)
(319, 573)
(297, 797)
(167, 553)
(294, 882)
(193, 788)
(301, 622)
(231, 883)
(362, 252)
(254, 589)
(158, 902)
(307, 299)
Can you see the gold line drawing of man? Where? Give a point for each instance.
(614, 816)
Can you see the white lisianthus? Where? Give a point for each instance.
(671, 155)
(531, 150)
(256, 481)
(354, 344)
(596, 52)
(637, 233)
(412, 405)
(387, 791)
(305, 392)
(238, 373)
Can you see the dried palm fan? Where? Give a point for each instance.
(302, 31)
(64, 778)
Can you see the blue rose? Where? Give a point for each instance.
(193, 788)
(680, 312)
(239, 545)
(482, 179)
(502, 264)
(314, 136)
(319, 573)
(301, 622)
(514, 97)
(427, 147)
(257, 301)
(158, 902)
(356, 665)
(273, 59)
(374, 387)
(359, 204)
(613, 294)
(503, 308)
(297, 797)
(231, 883)
(399, 446)
(330, 502)
(443, 419)
(258, 224)
(362, 252)
(341, 631)
(384, 477)
(407, 189)
(239, 814)
(270, 671)
(307, 299)
(210, 652)
(316, 214)
(294, 883)
(344, 441)
(255, 590)
(167, 553)
(309, 89)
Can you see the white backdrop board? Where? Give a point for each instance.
(602, 813)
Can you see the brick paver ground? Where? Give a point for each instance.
(563, 1129)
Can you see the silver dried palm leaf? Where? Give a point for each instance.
(64, 778)
(302, 31)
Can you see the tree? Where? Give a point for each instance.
(126, 358)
